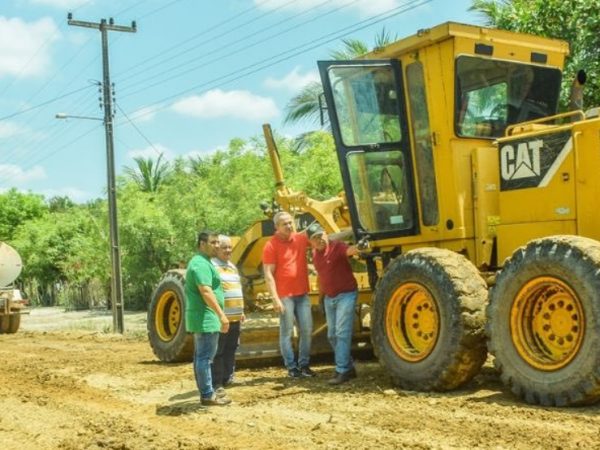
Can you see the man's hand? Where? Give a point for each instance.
(278, 306)
(224, 324)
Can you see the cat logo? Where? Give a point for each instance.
(522, 162)
(527, 163)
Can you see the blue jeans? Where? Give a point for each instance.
(297, 307)
(205, 348)
(339, 311)
(223, 364)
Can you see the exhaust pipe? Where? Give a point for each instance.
(576, 97)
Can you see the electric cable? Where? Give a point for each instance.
(325, 39)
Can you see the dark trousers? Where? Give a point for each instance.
(224, 362)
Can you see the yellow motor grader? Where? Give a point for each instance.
(476, 201)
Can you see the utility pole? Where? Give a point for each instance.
(115, 252)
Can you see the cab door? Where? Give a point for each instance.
(365, 102)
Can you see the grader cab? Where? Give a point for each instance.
(458, 171)
(475, 199)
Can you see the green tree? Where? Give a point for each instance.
(575, 21)
(61, 248)
(17, 208)
(148, 174)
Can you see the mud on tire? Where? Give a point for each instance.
(166, 320)
(428, 320)
(544, 321)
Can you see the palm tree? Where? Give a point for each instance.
(148, 175)
(307, 104)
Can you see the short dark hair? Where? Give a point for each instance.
(204, 235)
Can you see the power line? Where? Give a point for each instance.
(47, 102)
(55, 128)
(40, 107)
(35, 54)
(137, 129)
(243, 39)
(61, 148)
(283, 56)
(325, 39)
(192, 38)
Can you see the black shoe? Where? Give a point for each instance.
(307, 372)
(294, 373)
(340, 378)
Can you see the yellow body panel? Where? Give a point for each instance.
(513, 236)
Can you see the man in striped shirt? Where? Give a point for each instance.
(224, 362)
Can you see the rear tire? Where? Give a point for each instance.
(14, 323)
(4, 323)
(428, 320)
(168, 338)
(544, 321)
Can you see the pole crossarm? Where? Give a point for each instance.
(103, 24)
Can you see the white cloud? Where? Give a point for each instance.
(23, 46)
(152, 152)
(63, 4)
(218, 103)
(11, 174)
(77, 195)
(8, 129)
(364, 7)
(293, 81)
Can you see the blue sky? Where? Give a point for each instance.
(195, 75)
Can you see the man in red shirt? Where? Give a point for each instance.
(337, 283)
(286, 275)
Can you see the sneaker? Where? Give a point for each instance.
(307, 372)
(294, 373)
(220, 392)
(340, 378)
(215, 400)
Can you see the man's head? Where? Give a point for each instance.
(317, 236)
(225, 247)
(284, 224)
(208, 243)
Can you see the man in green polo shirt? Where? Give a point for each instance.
(204, 315)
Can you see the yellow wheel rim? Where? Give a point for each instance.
(168, 315)
(547, 323)
(412, 322)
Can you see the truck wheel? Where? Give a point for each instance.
(544, 321)
(4, 323)
(428, 320)
(166, 320)
(14, 323)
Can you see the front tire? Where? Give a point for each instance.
(544, 321)
(168, 338)
(428, 320)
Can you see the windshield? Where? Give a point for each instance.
(494, 94)
(366, 104)
(379, 184)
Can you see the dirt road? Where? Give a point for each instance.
(92, 390)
